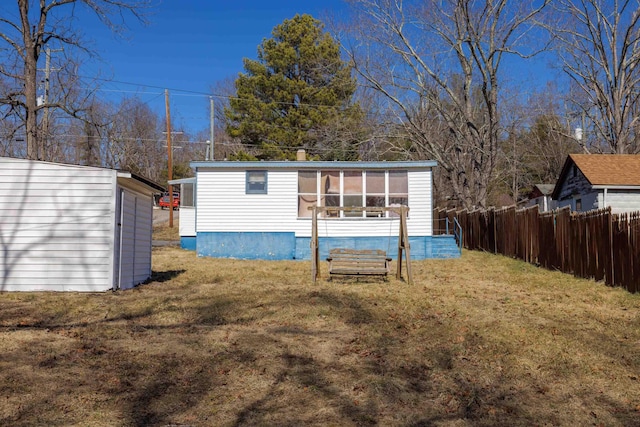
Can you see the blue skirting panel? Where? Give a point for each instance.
(422, 247)
(280, 246)
(269, 246)
(188, 243)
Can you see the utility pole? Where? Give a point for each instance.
(45, 102)
(212, 144)
(170, 157)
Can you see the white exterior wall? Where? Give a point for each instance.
(620, 200)
(223, 206)
(57, 227)
(187, 221)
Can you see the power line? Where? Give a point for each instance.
(192, 93)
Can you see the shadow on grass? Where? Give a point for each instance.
(164, 276)
(365, 374)
(304, 373)
(140, 364)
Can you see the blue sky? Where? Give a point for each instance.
(188, 46)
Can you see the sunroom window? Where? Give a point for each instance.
(398, 189)
(307, 192)
(376, 194)
(352, 197)
(330, 190)
(352, 189)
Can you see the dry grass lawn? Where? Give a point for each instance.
(478, 341)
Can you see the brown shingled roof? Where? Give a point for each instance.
(609, 169)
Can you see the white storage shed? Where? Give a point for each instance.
(73, 228)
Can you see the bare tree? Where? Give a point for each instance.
(600, 50)
(36, 25)
(225, 146)
(131, 135)
(438, 62)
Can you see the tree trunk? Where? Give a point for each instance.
(30, 57)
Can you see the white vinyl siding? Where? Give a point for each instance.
(58, 229)
(136, 240)
(187, 222)
(223, 206)
(420, 203)
(57, 226)
(142, 241)
(127, 257)
(620, 200)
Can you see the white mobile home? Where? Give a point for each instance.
(259, 210)
(73, 228)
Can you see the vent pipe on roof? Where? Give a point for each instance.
(301, 155)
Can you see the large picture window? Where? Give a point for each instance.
(352, 188)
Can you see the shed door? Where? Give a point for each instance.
(127, 251)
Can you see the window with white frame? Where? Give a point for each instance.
(352, 188)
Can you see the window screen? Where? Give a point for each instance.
(187, 195)
(256, 182)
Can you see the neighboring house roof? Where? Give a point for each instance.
(606, 170)
(545, 189)
(609, 169)
(540, 190)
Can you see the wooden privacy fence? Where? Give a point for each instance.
(594, 245)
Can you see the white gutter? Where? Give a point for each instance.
(616, 187)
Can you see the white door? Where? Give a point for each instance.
(126, 239)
